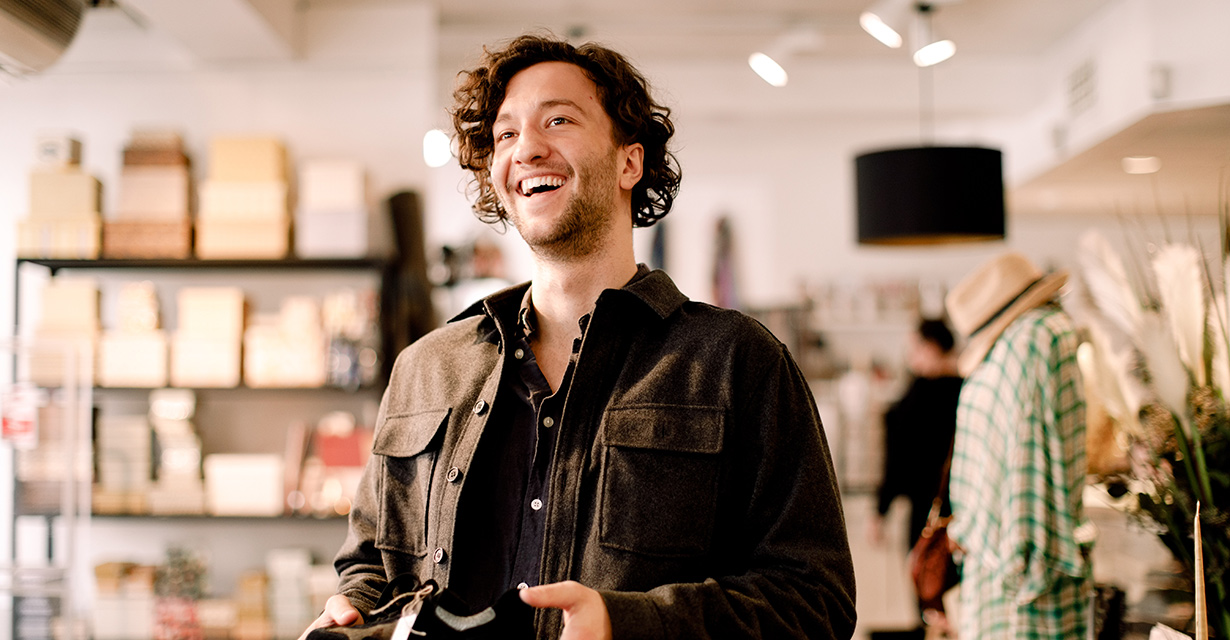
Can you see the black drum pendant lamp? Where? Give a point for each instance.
(930, 195)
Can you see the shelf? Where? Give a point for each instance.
(197, 263)
(204, 517)
(378, 386)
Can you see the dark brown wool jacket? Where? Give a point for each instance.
(692, 483)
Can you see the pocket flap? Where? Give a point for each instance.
(407, 435)
(683, 428)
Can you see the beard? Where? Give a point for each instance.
(583, 225)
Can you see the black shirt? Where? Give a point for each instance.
(500, 521)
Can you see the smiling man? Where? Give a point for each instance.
(638, 464)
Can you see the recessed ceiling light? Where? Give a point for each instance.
(1138, 165)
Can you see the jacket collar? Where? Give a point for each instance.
(654, 289)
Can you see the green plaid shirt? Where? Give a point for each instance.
(1018, 471)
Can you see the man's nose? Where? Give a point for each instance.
(530, 146)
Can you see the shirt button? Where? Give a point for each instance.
(522, 585)
(480, 407)
(535, 504)
(518, 354)
(453, 474)
(548, 422)
(438, 556)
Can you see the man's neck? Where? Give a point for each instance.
(563, 292)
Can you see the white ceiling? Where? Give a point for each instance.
(731, 29)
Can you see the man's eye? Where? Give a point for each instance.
(557, 120)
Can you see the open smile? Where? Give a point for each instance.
(530, 187)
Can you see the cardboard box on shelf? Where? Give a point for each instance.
(136, 157)
(322, 234)
(251, 200)
(155, 139)
(77, 238)
(70, 305)
(147, 239)
(57, 150)
(153, 192)
(211, 311)
(177, 501)
(247, 158)
(67, 192)
(243, 484)
(223, 240)
(205, 361)
(132, 359)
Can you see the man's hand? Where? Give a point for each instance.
(585, 615)
(338, 613)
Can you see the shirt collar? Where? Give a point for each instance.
(651, 287)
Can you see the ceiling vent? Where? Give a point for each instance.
(34, 33)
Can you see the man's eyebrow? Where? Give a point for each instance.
(545, 104)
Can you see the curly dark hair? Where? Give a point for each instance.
(624, 93)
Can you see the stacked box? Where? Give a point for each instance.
(333, 218)
(64, 219)
(206, 349)
(69, 315)
(244, 209)
(286, 350)
(243, 484)
(152, 218)
(179, 489)
(290, 573)
(135, 354)
(253, 611)
(124, 464)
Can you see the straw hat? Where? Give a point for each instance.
(983, 304)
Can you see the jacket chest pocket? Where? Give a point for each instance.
(660, 479)
(410, 446)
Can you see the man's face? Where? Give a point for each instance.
(556, 168)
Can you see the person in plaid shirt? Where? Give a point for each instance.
(1018, 465)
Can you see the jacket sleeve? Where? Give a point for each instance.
(359, 563)
(793, 576)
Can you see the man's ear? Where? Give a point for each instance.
(633, 166)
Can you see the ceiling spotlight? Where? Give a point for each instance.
(1140, 165)
(769, 63)
(885, 20)
(879, 29)
(934, 53)
(768, 69)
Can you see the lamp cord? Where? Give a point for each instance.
(926, 97)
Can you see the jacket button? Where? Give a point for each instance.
(453, 474)
(480, 407)
(438, 556)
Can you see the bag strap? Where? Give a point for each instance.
(933, 516)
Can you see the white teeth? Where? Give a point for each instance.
(529, 184)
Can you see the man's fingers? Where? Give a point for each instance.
(343, 613)
(338, 613)
(558, 595)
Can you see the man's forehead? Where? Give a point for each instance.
(548, 84)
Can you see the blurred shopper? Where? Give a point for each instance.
(918, 430)
(637, 464)
(1018, 466)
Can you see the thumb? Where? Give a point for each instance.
(559, 595)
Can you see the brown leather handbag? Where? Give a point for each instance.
(932, 568)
